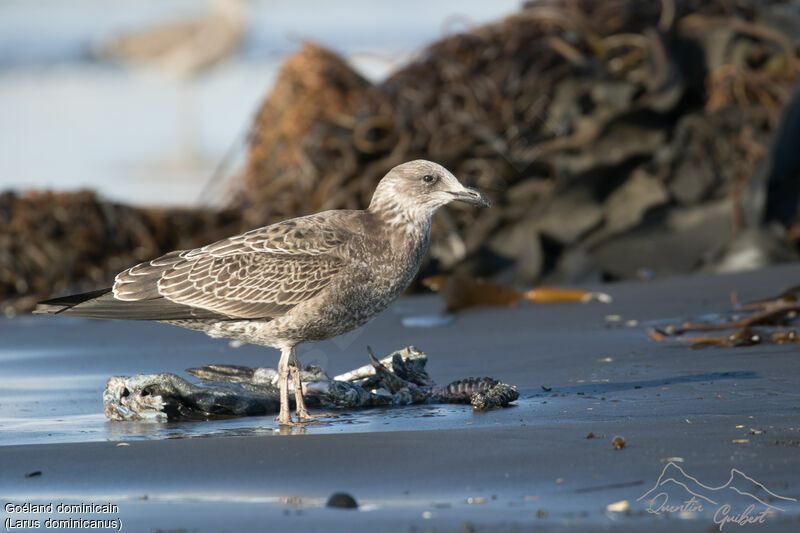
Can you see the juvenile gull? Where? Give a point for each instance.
(302, 280)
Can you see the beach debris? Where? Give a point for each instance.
(618, 507)
(743, 337)
(460, 291)
(785, 337)
(754, 322)
(618, 443)
(229, 391)
(769, 316)
(498, 395)
(656, 334)
(786, 442)
(342, 500)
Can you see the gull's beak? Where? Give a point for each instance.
(471, 196)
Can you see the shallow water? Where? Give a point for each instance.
(55, 369)
(95, 427)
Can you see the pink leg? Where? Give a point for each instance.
(284, 417)
(300, 404)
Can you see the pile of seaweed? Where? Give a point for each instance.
(617, 139)
(614, 137)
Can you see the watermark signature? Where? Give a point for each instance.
(741, 500)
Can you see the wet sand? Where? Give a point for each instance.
(430, 468)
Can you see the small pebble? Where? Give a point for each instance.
(618, 507)
(342, 500)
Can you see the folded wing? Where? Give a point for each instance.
(260, 274)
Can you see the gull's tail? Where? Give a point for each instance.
(65, 304)
(103, 304)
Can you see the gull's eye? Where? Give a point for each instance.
(429, 178)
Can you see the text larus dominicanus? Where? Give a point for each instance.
(301, 280)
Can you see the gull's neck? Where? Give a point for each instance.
(399, 215)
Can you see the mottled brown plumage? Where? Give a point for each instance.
(302, 280)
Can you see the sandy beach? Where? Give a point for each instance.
(422, 468)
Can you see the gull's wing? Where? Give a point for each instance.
(259, 274)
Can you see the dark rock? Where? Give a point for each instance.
(617, 143)
(753, 248)
(511, 239)
(570, 216)
(693, 174)
(782, 168)
(576, 265)
(678, 244)
(626, 206)
(342, 500)
(520, 241)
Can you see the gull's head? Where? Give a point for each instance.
(421, 187)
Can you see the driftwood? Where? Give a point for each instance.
(776, 312)
(232, 391)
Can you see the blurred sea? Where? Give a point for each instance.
(70, 121)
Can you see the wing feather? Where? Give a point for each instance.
(259, 274)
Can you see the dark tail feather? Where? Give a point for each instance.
(102, 304)
(59, 305)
